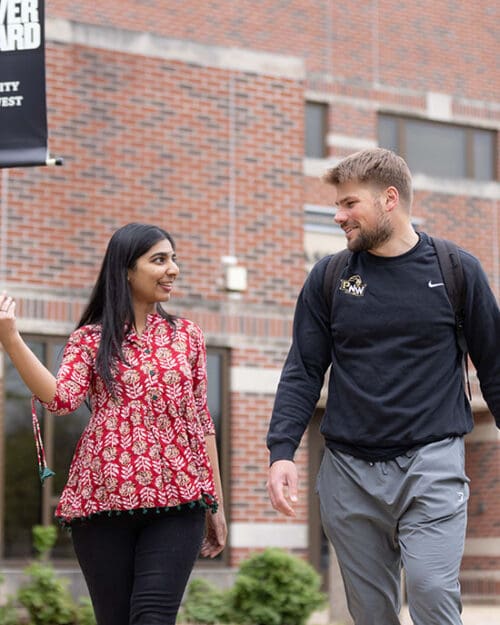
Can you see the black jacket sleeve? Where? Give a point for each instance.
(482, 332)
(304, 370)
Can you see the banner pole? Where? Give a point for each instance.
(54, 160)
(3, 227)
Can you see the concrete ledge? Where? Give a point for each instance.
(126, 41)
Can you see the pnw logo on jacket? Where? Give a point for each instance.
(353, 286)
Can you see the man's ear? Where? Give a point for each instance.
(391, 198)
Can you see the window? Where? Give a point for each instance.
(437, 149)
(316, 128)
(218, 404)
(25, 503)
(322, 235)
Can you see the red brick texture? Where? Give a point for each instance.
(419, 47)
(150, 139)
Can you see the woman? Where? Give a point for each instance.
(143, 496)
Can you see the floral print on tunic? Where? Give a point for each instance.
(144, 447)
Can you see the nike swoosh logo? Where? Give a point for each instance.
(432, 284)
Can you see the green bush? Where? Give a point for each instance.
(205, 603)
(271, 588)
(9, 614)
(44, 538)
(45, 596)
(85, 612)
(276, 588)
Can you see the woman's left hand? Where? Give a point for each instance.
(215, 534)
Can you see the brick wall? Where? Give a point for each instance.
(420, 47)
(146, 140)
(208, 142)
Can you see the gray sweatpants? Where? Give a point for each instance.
(410, 512)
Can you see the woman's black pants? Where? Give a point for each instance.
(137, 566)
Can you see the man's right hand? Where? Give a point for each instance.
(282, 486)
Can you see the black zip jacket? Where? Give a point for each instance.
(396, 380)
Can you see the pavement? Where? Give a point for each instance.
(473, 614)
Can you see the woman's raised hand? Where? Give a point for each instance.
(7, 317)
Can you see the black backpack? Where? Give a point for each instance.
(453, 278)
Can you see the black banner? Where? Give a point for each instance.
(23, 109)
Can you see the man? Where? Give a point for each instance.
(392, 485)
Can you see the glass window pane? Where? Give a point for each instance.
(316, 118)
(215, 389)
(23, 492)
(320, 218)
(67, 431)
(435, 149)
(22, 503)
(214, 393)
(484, 154)
(388, 133)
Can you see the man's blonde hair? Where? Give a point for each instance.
(376, 166)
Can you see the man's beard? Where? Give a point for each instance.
(371, 239)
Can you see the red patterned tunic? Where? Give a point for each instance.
(144, 448)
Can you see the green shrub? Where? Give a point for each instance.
(85, 612)
(9, 614)
(205, 603)
(271, 588)
(275, 588)
(45, 596)
(44, 538)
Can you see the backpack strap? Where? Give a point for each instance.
(452, 271)
(336, 265)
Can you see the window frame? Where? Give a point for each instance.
(324, 127)
(401, 122)
(224, 453)
(49, 500)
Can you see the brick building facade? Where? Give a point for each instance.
(194, 115)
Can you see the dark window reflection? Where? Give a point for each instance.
(26, 502)
(214, 392)
(440, 149)
(316, 122)
(67, 430)
(22, 498)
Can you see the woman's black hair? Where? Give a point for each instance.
(110, 302)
